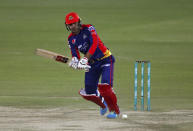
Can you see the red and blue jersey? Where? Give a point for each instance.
(87, 41)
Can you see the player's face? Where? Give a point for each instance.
(74, 27)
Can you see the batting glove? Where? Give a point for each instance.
(74, 63)
(83, 64)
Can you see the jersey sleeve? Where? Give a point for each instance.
(93, 39)
(74, 50)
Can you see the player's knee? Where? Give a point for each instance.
(107, 81)
(91, 89)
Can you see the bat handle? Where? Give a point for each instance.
(61, 59)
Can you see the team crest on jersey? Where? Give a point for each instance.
(73, 41)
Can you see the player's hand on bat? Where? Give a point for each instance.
(74, 62)
(83, 64)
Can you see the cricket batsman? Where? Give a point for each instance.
(98, 62)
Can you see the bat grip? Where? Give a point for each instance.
(61, 59)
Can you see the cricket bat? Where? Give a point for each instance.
(52, 55)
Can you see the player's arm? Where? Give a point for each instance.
(74, 50)
(88, 55)
(94, 43)
(75, 55)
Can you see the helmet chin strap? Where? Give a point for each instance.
(68, 29)
(79, 24)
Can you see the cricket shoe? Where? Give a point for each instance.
(104, 110)
(112, 115)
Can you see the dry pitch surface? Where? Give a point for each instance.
(62, 118)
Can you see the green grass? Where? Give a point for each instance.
(157, 30)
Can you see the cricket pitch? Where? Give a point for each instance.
(65, 118)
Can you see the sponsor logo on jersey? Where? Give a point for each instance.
(79, 46)
(84, 36)
(91, 28)
(83, 47)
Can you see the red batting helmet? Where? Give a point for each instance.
(72, 18)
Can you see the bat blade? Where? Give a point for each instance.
(52, 55)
